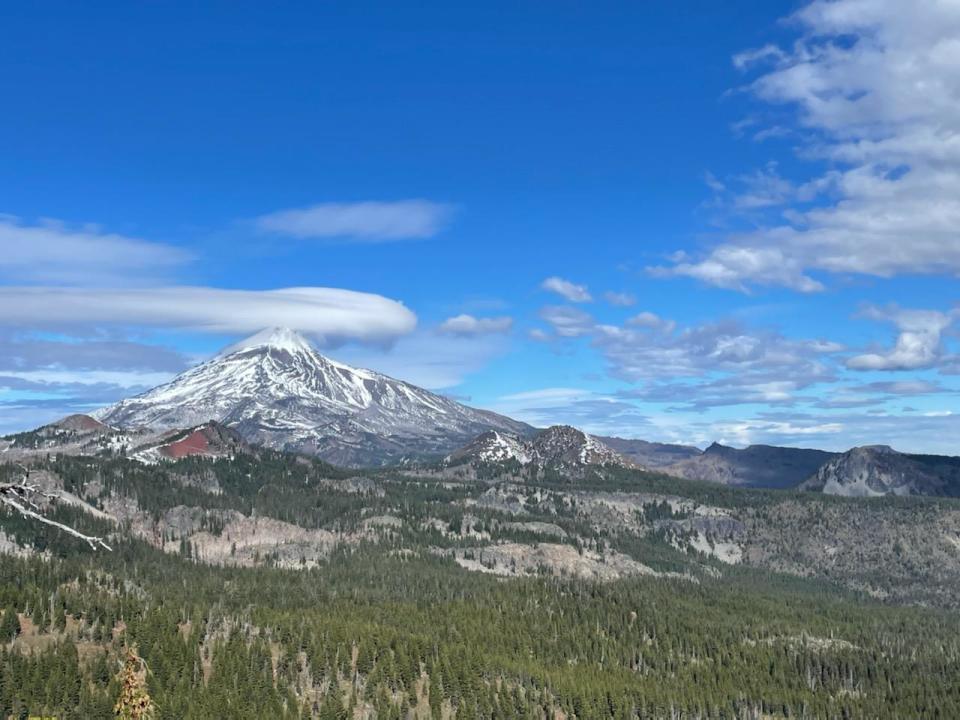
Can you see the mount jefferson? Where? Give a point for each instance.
(275, 389)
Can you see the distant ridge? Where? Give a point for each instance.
(875, 470)
(758, 466)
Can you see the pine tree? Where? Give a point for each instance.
(134, 703)
(9, 624)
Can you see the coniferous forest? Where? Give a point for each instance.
(480, 361)
(389, 624)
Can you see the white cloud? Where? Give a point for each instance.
(747, 58)
(761, 388)
(568, 290)
(763, 188)
(904, 387)
(329, 314)
(875, 93)
(713, 182)
(877, 393)
(621, 299)
(721, 363)
(567, 321)
(51, 252)
(361, 221)
(469, 325)
(720, 347)
(736, 266)
(918, 345)
(648, 319)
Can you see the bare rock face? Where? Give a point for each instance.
(208, 440)
(276, 390)
(248, 541)
(875, 470)
(514, 559)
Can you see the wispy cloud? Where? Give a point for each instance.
(369, 221)
(878, 393)
(568, 322)
(566, 289)
(701, 366)
(30, 353)
(52, 252)
(620, 299)
(592, 412)
(468, 325)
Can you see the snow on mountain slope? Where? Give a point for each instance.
(275, 389)
(562, 446)
(492, 447)
(559, 447)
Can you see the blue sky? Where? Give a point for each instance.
(693, 222)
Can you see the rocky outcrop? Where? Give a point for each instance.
(515, 559)
(875, 470)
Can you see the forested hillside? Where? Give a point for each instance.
(269, 586)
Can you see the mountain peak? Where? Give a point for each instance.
(274, 389)
(278, 338)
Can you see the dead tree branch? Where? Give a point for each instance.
(21, 497)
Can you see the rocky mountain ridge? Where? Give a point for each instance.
(868, 471)
(560, 448)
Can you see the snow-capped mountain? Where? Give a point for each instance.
(275, 389)
(559, 447)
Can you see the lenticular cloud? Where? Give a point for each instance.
(329, 313)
